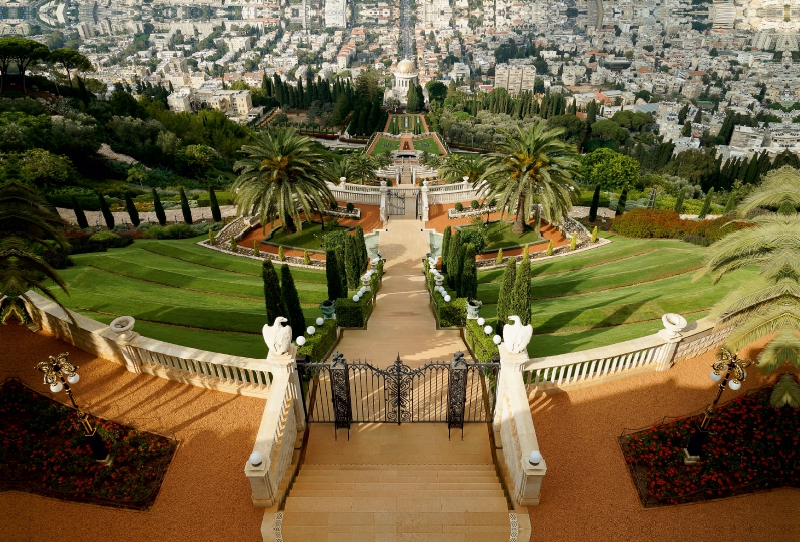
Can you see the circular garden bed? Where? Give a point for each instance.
(752, 446)
(43, 451)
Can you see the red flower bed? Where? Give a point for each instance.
(662, 223)
(752, 447)
(43, 451)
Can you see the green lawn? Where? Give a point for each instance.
(310, 237)
(613, 293)
(385, 145)
(499, 235)
(428, 144)
(184, 294)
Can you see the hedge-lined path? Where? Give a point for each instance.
(215, 430)
(402, 321)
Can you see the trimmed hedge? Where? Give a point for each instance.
(480, 343)
(665, 224)
(350, 313)
(318, 344)
(110, 240)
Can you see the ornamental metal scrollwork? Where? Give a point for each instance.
(457, 393)
(340, 387)
(397, 392)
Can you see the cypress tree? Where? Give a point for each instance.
(623, 200)
(362, 248)
(216, 214)
(331, 274)
(469, 274)
(679, 202)
(187, 211)
(159, 209)
(80, 216)
(459, 266)
(706, 204)
(445, 245)
(341, 269)
(521, 297)
(131, 207)
(294, 312)
(549, 248)
(272, 292)
(352, 260)
(109, 218)
(454, 249)
(730, 204)
(506, 292)
(595, 204)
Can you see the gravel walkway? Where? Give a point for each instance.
(587, 494)
(204, 497)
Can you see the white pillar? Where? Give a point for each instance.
(383, 210)
(425, 209)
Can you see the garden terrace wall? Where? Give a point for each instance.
(221, 372)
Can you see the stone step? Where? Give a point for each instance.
(404, 493)
(406, 466)
(383, 479)
(304, 484)
(419, 503)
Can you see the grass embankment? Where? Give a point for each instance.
(310, 238)
(184, 294)
(385, 145)
(613, 293)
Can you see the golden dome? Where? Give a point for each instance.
(405, 66)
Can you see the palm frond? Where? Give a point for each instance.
(779, 187)
(773, 319)
(753, 295)
(785, 347)
(786, 392)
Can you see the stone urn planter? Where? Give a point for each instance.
(328, 309)
(473, 308)
(122, 326)
(673, 325)
(439, 280)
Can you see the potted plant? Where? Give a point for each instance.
(473, 308)
(328, 308)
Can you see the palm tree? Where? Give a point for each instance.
(769, 304)
(532, 164)
(363, 168)
(28, 224)
(342, 168)
(383, 160)
(455, 167)
(283, 174)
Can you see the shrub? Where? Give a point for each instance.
(332, 275)
(573, 243)
(549, 248)
(499, 259)
(294, 311)
(697, 240)
(281, 255)
(505, 295)
(453, 250)
(131, 208)
(110, 240)
(665, 224)
(212, 239)
(453, 314)
(480, 343)
(594, 235)
(272, 292)
(706, 204)
(212, 201)
(679, 202)
(474, 204)
(256, 252)
(352, 260)
(306, 258)
(474, 237)
(459, 207)
(159, 208)
(320, 343)
(350, 207)
(334, 205)
(445, 246)
(234, 248)
(363, 258)
(185, 209)
(469, 274)
(521, 295)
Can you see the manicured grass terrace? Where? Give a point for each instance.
(385, 145)
(499, 235)
(184, 294)
(613, 293)
(428, 144)
(310, 237)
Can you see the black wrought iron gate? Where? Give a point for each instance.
(454, 392)
(395, 203)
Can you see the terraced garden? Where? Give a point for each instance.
(184, 294)
(612, 294)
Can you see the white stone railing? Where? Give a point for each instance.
(357, 196)
(283, 420)
(463, 192)
(657, 352)
(221, 372)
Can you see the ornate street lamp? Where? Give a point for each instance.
(727, 362)
(59, 374)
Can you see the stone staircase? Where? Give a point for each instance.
(390, 482)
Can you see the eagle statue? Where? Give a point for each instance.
(277, 337)
(516, 336)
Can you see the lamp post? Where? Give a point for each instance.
(59, 374)
(728, 362)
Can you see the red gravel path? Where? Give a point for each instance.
(587, 494)
(204, 497)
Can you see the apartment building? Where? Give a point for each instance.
(515, 78)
